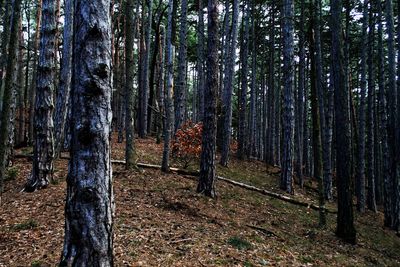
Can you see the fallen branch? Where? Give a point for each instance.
(232, 182)
(262, 230)
(274, 195)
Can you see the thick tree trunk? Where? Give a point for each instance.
(8, 90)
(42, 168)
(4, 47)
(288, 105)
(63, 96)
(394, 164)
(345, 220)
(89, 205)
(207, 177)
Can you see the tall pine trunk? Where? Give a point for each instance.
(206, 184)
(89, 203)
(288, 95)
(63, 96)
(345, 219)
(8, 90)
(180, 88)
(43, 151)
(228, 88)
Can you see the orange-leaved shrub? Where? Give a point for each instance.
(186, 146)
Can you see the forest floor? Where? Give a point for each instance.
(161, 221)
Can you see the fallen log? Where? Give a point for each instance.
(232, 182)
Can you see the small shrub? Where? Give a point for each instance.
(27, 225)
(239, 243)
(12, 174)
(186, 146)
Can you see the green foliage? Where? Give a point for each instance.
(12, 174)
(27, 225)
(239, 243)
(36, 264)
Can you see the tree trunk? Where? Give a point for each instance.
(63, 96)
(228, 88)
(207, 178)
(371, 202)
(394, 166)
(90, 205)
(241, 152)
(345, 220)
(300, 99)
(42, 168)
(200, 61)
(180, 88)
(315, 77)
(169, 55)
(34, 74)
(145, 72)
(130, 19)
(387, 189)
(288, 106)
(8, 90)
(360, 171)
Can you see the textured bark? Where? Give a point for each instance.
(8, 90)
(315, 111)
(4, 47)
(387, 189)
(180, 88)
(169, 56)
(207, 177)
(19, 138)
(200, 61)
(360, 170)
(288, 101)
(394, 165)
(241, 152)
(34, 74)
(89, 204)
(345, 220)
(27, 65)
(253, 97)
(160, 119)
(271, 133)
(43, 151)
(63, 95)
(371, 201)
(130, 153)
(300, 99)
(228, 88)
(145, 73)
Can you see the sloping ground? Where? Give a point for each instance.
(161, 221)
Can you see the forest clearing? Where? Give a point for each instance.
(161, 221)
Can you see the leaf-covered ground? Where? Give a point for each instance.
(161, 221)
